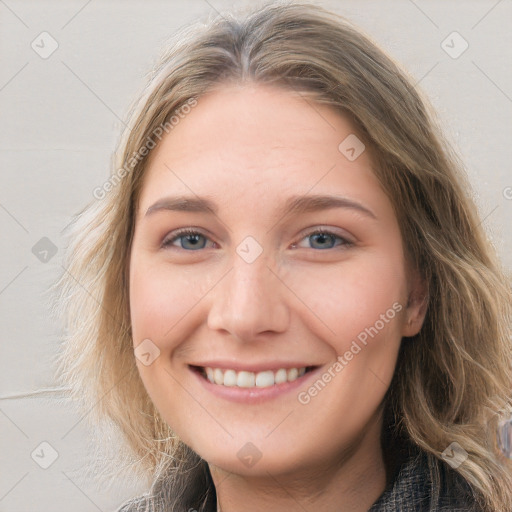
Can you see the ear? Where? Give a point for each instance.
(417, 303)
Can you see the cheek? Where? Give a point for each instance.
(358, 310)
(347, 299)
(160, 301)
(161, 298)
(147, 315)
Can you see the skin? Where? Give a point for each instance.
(248, 148)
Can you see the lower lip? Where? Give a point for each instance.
(253, 395)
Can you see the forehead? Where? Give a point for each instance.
(257, 143)
(262, 117)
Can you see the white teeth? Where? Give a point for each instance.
(218, 376)
(293, 373)
(244, 379)
(230, 378)
(281, 376)
(264, 379)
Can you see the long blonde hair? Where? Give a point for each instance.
(453, 380)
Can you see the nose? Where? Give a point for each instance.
(249, 301)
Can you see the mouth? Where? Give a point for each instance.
(228, 377)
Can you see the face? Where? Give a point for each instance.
(296, 315)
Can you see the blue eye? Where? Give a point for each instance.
(326, 239)
(192, 240)
(189, 238)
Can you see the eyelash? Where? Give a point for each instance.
(190, 232)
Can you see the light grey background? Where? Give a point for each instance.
(60, 120)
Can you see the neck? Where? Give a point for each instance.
(350, 481)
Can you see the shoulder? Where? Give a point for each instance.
(455, 493)
(427, 484)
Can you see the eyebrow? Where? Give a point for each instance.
(294, 205)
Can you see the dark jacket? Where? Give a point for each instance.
(412, 487)
(416, 488)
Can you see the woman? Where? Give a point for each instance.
(283, 298)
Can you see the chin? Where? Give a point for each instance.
(256, 459)
(275, 464)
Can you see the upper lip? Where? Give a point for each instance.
(254, 367)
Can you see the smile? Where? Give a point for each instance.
(246, 379)
(252, 386)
